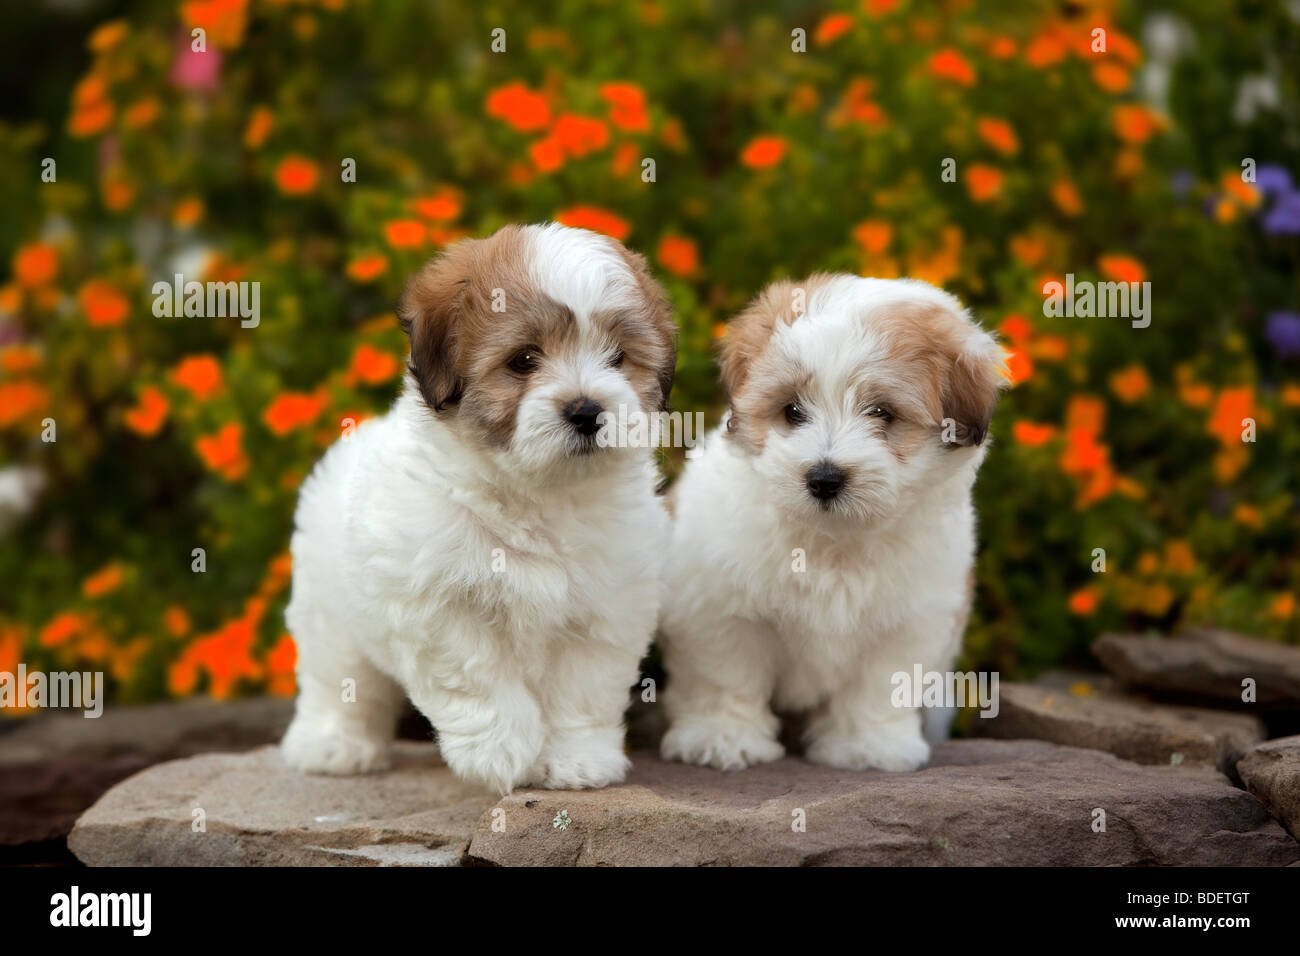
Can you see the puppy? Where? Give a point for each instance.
(823, 541)
(477, 548)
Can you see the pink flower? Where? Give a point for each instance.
(200, 72)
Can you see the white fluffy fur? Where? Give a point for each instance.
(510, 593)
(885, 584)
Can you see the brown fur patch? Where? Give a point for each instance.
(651, 333)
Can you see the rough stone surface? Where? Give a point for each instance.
(1272, 772)
(260, 812)
(160, 731)
(1206, 664)
(982, 802)
(56, 764)
(1085, 714)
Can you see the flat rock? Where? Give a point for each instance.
(980, 803)
(1206, 664)
(157, 731)
(257, 811)
(1271, 771)
(1086, 714)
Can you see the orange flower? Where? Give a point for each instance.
(1291, 396)
(1029, 248)
(1083, 602)
(367, 268)
(1130, 384)
(1046, 49)
(92, 110)
(1249, 516)
(873, 235)
(595, 219)
(1135, 123)
(1019, 366)
(1230, 409)
(1002, 47)
(626, 106)
(118, 191)
(1086, 412)
(223, 452)
(149, 413)
(20, 399)
(371, 366)
(1245, 193)
(999, 134)
(948, 64)
(107, 35)
(296, 175)
(188, 212)
(1066, 197)
(199, 374)
(292, 410)
(832, 27)
(1016, 329)
(223, 20)
(404, 233)
(280, 664)
(142, 112)
(17, 359)
(1179, 557)
(678, 255)
(578, 136)
(104, 581)
(176, 621)
(1121, 269)
(1282, 606)
(547, 154)
(442, 206)
(857, 105)
(983, 182)
(763, 152)
(36, 265)
(62, 629)
(260, 123)
(519, 106)
(1111, 77)
(1033, 434)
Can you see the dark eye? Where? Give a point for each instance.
(617, 360)
(524, 361)
(879, 411)
(794, 414)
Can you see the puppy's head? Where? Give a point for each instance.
(855, 395)
(522, 340)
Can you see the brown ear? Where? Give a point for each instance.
(429, 315)
(748, 332)
(660, 318)
(971, 395)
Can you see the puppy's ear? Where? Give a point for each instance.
(971, 394)
(747, 333)
(429, 313)
(659, 315)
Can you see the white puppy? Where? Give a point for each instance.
(823, 541)
(477, 548)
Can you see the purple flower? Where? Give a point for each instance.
(1283, 219)
(1273, 180)
(1182, 182)
(1283, 332)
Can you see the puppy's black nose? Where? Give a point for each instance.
(581, 414)
(824, 481)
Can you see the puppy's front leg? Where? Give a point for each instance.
(720, 680)
(585, 694)
(859, 727)
(473, 691)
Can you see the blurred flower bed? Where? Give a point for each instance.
(175, 434)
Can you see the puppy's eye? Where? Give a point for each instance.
(879, 411)
(524, 361)
(617, 360)
(794, 414)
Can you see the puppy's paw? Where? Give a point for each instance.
(498, 761)
(338, 754)
(582, 761)
(720, 743)
(894, 746)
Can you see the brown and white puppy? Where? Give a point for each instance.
(823, 540)
(479, 548)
